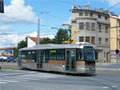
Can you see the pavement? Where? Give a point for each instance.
(107, 66)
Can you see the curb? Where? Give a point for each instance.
(114, 69)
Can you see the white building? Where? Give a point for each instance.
(32, 41)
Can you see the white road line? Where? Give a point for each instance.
(8, 81)
(114, 86)
(10, 74)
(105, 87)
(2, 82)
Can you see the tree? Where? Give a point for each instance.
(62, 35)
(46, 41)
(21, 44)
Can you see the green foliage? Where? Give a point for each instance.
(21, 44)
(46, 41)
(62, 35)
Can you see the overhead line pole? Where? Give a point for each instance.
(38, 37)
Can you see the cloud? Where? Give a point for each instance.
(14, 39)
(5, 28)
(17, 12)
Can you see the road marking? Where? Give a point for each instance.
(113, 86)
(8, 81)
(105, 87)
(10, 74)
(2, 82)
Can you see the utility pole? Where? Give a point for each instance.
(38, 36)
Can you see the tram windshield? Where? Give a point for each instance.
(89, 54)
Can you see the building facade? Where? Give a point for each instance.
(32, 41)
(93, 27)
(114, 35)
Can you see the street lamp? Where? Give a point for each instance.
(38, 36)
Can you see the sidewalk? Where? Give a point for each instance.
(107, 66)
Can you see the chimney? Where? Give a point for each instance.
(95, 8)
(79, 7)
(87, 7)
(101, 9)
(73, 7)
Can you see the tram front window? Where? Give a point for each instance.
(89, 54)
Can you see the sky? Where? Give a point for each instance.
(21, 17)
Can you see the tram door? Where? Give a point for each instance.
(39, 59)
(70, 60)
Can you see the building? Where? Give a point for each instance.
(114, 35)
(7, 52)
(32, 41)
(93, 27)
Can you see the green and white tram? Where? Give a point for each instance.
(66, 58)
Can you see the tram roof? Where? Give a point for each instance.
(54, 46)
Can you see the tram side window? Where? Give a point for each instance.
(33, 56)
(61, 54)
(57, 54)
(53, 55)
(79, 55)
(29, 55)
(24, 55)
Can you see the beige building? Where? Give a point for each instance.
(93, 27)
(114, 35)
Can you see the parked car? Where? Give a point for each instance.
(12, 59)
(3, 58)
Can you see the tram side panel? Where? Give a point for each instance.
(54, 65)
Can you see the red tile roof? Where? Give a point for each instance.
(35, 39)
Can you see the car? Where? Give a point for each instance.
(3, 58)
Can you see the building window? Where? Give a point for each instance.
(99, 16)
(100, 40)
(91, 14)
(87, 39)
(106, 18)
(93, 27)
(119, 44)
(81, 39)
(106, 41)
(81, 26)
(106, 29)
(73, 21)
(92, 40)
(119, 33)
(100, 28)
(80, 14)
(86, 13)
(87, 26)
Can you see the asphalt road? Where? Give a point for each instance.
(32, 80)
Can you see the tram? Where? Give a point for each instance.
(65, 58)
